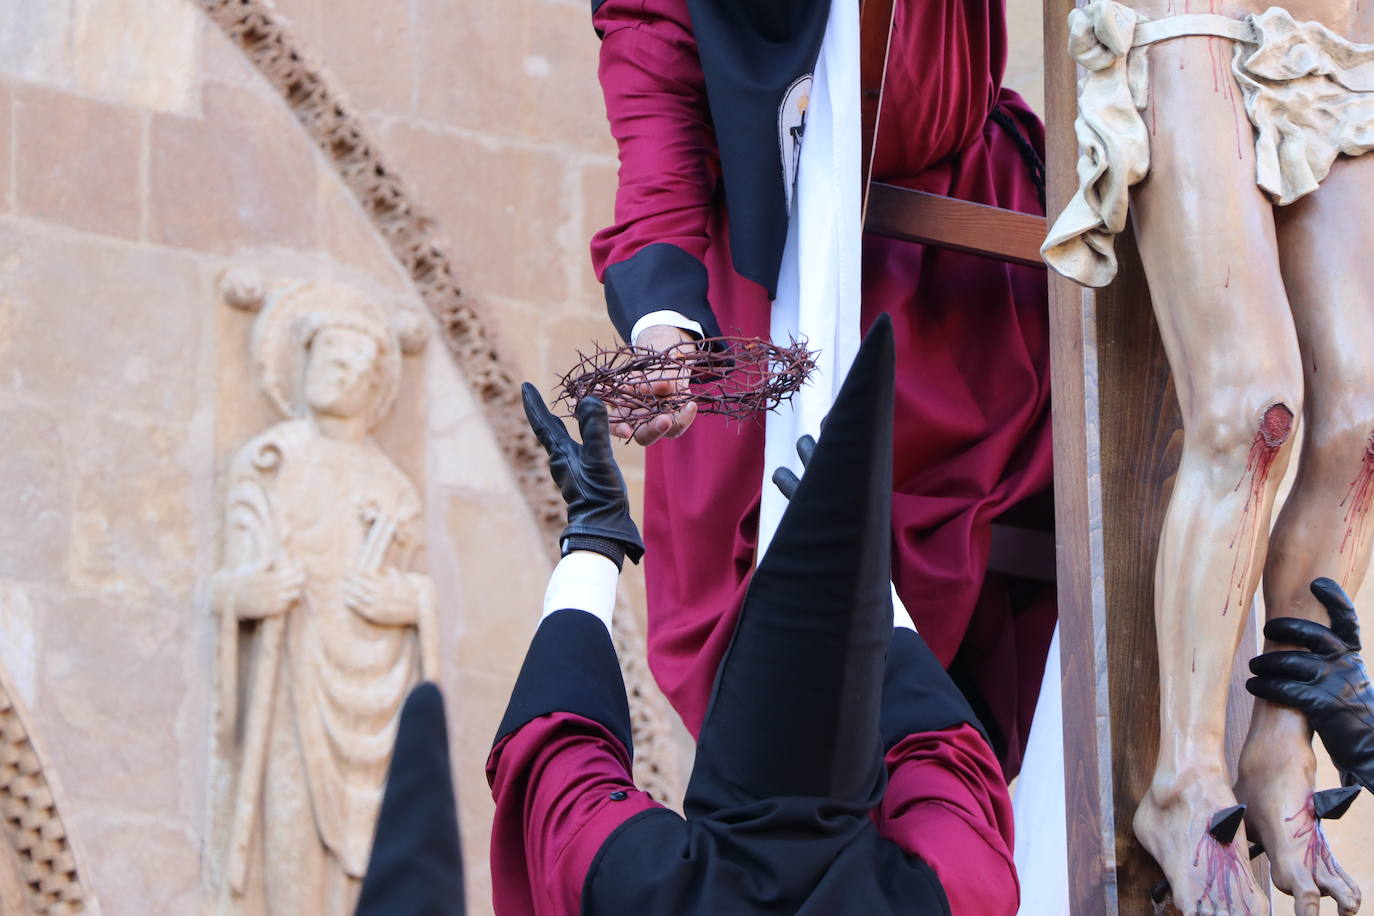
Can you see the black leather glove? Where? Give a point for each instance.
(598, 506)
(783, 478)
(1328, 682)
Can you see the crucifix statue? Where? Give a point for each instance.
(1232, 134)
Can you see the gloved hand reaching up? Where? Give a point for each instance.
(591, 482)
(1327, 682)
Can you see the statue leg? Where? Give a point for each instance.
(1322, 530)
(293, 858)
(1207, 239)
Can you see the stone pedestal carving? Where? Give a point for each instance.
(322, 627)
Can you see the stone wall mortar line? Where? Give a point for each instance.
(573, 156)
(347, 141)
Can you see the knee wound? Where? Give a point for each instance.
(1276, 425)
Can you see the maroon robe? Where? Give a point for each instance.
(558, 783)
(973, 431)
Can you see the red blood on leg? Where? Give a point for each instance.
(1357, 503)
(1275, 428)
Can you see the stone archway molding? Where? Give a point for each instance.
(29, 820)
(323, 110)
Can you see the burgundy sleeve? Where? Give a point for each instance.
(562, 785)
(651, 257)
(948, 804)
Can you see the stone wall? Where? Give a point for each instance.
(141, 156)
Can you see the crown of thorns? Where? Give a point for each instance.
(735, 377)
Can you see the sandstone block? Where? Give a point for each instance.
(476, 702)
(19, 649)
(77, 161)
(141, 867)
(304, 16)
(134, 529)
(113, 704)
(599, 183)
(499, 205)
(140, 52)
(576, 330)
(94, 325)
(247, 165)
(223, 62)
(35, 40)
(520, 330)
(349, 237)
(143, 52)
(498, 612)
(523, 69)
(356, 36)
(35, 488)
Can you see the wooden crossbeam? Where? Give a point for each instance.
(915, 216)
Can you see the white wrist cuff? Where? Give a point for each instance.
(668, 317)
(585, 581)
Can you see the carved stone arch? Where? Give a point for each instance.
(325, 113)
(38, 869)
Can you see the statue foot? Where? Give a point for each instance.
(1206, 876)
(1276, 784)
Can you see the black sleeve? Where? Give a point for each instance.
(571, 666)
(918, 696)
(658, 277)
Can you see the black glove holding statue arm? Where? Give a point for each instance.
(591, 482)
(1327, 682)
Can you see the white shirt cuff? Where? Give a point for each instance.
(584, 581)
(668, 317)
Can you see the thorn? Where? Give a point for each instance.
(1225, 824)
(1330, 804)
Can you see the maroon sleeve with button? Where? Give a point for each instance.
(562, 785)
(651, 257)
(948, 805)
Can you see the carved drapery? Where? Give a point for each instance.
(413, 236)
(29, 821)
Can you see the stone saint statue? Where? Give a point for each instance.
(1243, 127)
(323, 630)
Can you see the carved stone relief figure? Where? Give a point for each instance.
(322, 627)
(1250, 122)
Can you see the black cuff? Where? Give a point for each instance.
(918, 695)
(571, 667)
(658, 277)
(608, 548)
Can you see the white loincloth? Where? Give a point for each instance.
(1309, 94)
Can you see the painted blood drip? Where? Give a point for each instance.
(1310, 829)
(1228, 875)
(1269, 438)
(1358, 500)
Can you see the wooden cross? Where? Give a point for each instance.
(915, 216)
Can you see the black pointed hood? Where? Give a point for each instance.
(816, 622)
(840, 518)
(416, 865)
